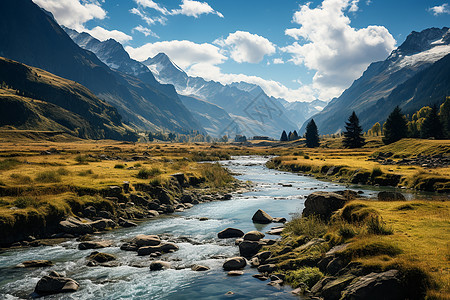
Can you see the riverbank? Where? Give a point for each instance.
(410, 163)
(368, 249)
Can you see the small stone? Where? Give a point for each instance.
(235, 273)
(199, 268)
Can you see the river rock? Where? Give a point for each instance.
(163, 247)
(142, 240)
(55, 283)
(390, 196)
(386, 285)
(268, 268)
(186, 198)
(333, 289)
(249, 248)
(103, 224)
(93, 245)
(323, 204)
(235, 263)
(39, 263)
(263, 256)
(152, 213)
(129, 247)
(235, 273)
(279, 220)
(199, 268)
(230, 233)
(261, 217)
(158, 265)
(276, 231)
(126, 223)
(253, 236)
(101, 257)
(261, 277)
(74, 226)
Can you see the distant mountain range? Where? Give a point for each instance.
(33, 99)
(31, 36)
(412, 76)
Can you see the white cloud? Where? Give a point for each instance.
(103, 34)
(439, 10)
(247, 47)
(153, 5)
(271, 87)
(278, 61)
(149, 20)
(194, 9)
(338, 52)
(72, 13)
(183, 53)
(144, 30)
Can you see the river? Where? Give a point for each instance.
(197, 240)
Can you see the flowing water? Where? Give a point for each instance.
(197, 241)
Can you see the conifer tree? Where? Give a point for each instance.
(312, 135)
(353, 133)
(432, 126)
(444, 115)
(284, 137)
(396, 127)
(295, 135)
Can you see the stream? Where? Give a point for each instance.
(196, 239)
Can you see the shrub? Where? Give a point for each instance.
(85, 172)
(63, 171)
(119, 166)
(48, 177)
(155, 181)
(347, 231)
(9, 163)
(376, 225)
(137, 165)
(215, 175)
(21, 179)
(145, 173)
(306, 275)
(376, 171)
(24, 202)
(311, 226)
(81, 159)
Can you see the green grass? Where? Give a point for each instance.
(145, 173)
(21, 179)
(48, 177)
(215, 175)
(9, 163)
(310, 227)
(306, 275)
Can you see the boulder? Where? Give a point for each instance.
(268, 268)
(386, 285)
(101, 257)
(235, 273)
(129, 247)
(163, 247)
(126, 223)
(39, 263)
(199, 268)
(261, 217)
(93, 245)
(230, 233)
(158, 265)
(103, 224)
(186, 199)
(55, 283)
(261, 277)
(276, 231)
(142, 240)
(253, 236)
(105, 214)
(390, 196)
(323, 204)
(263, 256)
(332, 290)
(235, 263)
(74, 226)
(152, 213)
(249, 248)
(179, 177)
(279, 220)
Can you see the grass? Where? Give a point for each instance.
(145, 173)
(119, 166)
(9, 163)
(215, 175)
(310, 227)
(48, 177)
(306, 275)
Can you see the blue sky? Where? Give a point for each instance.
(297, 50)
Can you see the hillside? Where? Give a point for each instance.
(33, 99)
(31, 36)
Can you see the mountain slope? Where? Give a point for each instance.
(29, 35)
(31, 98)
(419, 51)
(252, 110)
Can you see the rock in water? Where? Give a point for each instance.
(35, 264)
(230, 233)
(235, 263)
(390, 196)
(249, 248)
(101, 257)
(261, 217)
(253, 236)
(323, 204)
(384, 285)
(74, 226)
(55, 283)
(146, 240)
(235, 273)
(93, 245)
(159, 265)
(199, 268)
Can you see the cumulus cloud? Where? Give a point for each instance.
(147, 19)
(338, 52)
(278, 61)
(153, 5)
(439, 10)
(247, 47)
(183, 53)
(194, 9)
(72, 13)
(145, 31)
(103, 34)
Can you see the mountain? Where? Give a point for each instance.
(419, 51)
(31, 36)
(33, 99)
(252, 111)
(299, 111)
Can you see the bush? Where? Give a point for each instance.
(85, 172)
(48, 177)
(145, 173)
(21, 179)
(311, 226)
(376, 171)
(63, 171)
(306, 275)
(9, 163)
(24, 202)
(119, 166)
(376, 225)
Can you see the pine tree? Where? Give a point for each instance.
(444, 115)
(284, 137)
(353, 133)
(396, 127)
(295, 135)
(290, 136)
(432, 126)
(312, 135)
